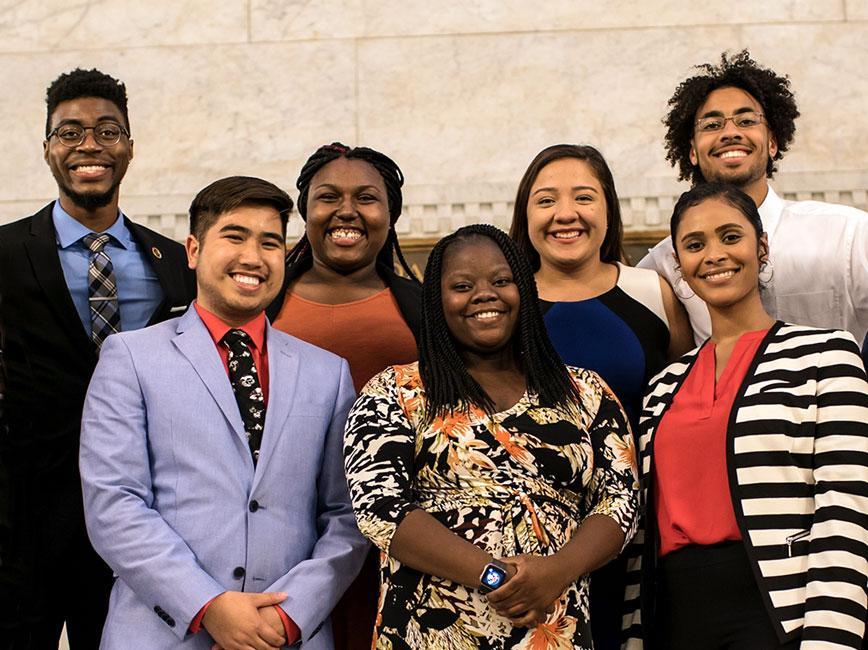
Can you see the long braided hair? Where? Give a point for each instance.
(448, 384)
(302, 254)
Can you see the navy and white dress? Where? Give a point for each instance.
(623, 336)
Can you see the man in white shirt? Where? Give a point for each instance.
(730, 123)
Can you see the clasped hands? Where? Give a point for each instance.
(240, 621)
(534, 585)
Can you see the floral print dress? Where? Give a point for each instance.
(518, 482)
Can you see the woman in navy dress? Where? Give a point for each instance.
(621, 322)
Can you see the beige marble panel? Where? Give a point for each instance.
(478, 108)
(39, 25)
(457, 112)
(196, 113)
(278, 20)
(303, 19)
(22, 114)
(856, 9)
(828, 76)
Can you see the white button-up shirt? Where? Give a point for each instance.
(819, 255)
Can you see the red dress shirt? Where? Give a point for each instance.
(256, 330)
(692, 497)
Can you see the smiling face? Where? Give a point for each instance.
(566, 214)
(719, 253)
(347, 215)
(479, 296)
(733, 155)
(239, 262)
(88, 176)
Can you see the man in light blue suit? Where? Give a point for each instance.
(212, 470)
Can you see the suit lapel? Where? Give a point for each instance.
(42, 250)
(282, 383)
(163, 262)
(196, 345)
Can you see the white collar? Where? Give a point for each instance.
(770, 212)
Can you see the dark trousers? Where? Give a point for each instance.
(354, 617)
(707, 597)
(607, 603)
(49, 573)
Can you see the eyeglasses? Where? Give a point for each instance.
(744, 120)
(106, 134)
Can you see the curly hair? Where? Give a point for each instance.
(771, 90)
(85, 83)
(448, 384)
(301, 255)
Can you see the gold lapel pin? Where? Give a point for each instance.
(156, 252)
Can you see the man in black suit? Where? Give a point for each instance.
(70, 275)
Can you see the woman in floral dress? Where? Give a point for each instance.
(488, 455)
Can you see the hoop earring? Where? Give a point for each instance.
(679, 285)
(768, 268)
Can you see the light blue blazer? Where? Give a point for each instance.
(173, 502)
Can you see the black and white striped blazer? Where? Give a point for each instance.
(797, 458)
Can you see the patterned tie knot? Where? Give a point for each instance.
(233, 337)
(96, 242)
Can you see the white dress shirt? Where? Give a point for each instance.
(819, 255)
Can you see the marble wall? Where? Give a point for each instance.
(461, 94)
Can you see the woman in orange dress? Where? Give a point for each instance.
(341, 293)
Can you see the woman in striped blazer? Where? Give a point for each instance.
(754, 461)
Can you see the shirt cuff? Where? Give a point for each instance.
(289, 626)
(196, 623)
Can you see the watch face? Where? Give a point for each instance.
(493, 577)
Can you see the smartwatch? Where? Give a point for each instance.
(493, 576)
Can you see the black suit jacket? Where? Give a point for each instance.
(48, 360)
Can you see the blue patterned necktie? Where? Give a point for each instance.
(245, 382)
(102, 291)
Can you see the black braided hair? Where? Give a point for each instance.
(448, 384)
(771, 90)
(393, 179)
(85, 83)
